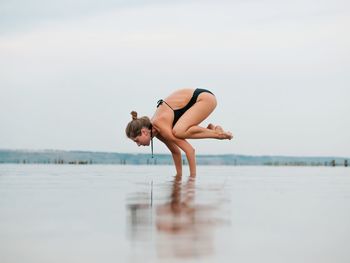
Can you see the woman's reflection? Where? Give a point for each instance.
(183, 227)
(184, 230)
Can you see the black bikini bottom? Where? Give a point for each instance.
(179, 112)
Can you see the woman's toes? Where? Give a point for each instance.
(229, 135)
(225, 135)
(211, 126)
(219, 128)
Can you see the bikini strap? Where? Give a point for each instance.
(160, 102)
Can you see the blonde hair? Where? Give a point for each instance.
(133, 129)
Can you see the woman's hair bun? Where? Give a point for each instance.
(134, 115)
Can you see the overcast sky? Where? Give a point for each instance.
(71, 71)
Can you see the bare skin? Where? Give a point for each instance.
(187, 127)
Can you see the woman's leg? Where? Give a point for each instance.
(198, 132)
(187, 126)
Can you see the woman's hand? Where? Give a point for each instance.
(173, 143)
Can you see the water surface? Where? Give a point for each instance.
(110, 213)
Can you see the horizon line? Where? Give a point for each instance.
(136, 153)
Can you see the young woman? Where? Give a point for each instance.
(176, 119)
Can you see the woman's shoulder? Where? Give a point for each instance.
(162, 116)
(159, 121)
(162, 124)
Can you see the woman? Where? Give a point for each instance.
(175, 120)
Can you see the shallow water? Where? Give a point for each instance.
(108, 213)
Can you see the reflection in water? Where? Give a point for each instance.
(140, 216)
(184, 230)
(182, 226)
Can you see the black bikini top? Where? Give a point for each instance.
(160, 102)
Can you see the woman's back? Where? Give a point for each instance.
(179, 98)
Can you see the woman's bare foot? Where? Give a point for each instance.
(225, 136)
(211, 126)
(228, 135)
(218, 128)
(222, 135)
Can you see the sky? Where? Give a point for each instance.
(72, 71)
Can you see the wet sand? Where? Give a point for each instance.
(106, 213)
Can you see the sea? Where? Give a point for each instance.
(124, 213)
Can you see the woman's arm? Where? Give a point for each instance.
(175, 152)
(190, 154)
(170, 139)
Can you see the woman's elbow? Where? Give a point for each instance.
(190, 151)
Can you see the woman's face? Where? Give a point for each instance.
(143, 139)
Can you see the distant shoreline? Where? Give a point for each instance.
(90, 157)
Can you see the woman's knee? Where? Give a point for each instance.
(179, 132)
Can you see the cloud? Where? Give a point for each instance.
(273, 66)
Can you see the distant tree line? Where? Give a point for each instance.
(154, 162)
(85, 158)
